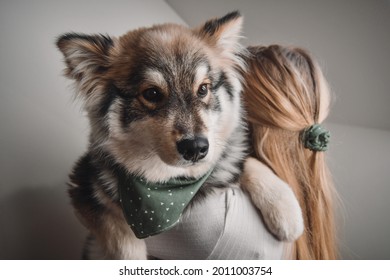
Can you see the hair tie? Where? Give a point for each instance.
(316, 138)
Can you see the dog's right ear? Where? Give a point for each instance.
(85, 55)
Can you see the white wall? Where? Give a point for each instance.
(42, 132)
(360, 161)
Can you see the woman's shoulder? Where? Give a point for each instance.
(222, 225)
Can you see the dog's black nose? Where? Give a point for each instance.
(193, 149)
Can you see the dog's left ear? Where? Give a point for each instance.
(223, 33)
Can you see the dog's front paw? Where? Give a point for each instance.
(283, 215)
(275, 199)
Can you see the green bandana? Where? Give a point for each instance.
(151, 208)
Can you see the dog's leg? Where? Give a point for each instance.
(112, 238)
(119, 240)
(274, 198)
(92, 250)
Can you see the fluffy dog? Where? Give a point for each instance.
(163, 102)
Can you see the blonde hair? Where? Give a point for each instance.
(285, 92)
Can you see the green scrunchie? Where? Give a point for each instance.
(316, 138)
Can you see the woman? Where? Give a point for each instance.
(287, 99)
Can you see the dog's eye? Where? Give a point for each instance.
(203, 90)
(152, 95)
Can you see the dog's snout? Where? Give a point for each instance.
(193, 149)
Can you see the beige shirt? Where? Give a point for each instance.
(224, 225)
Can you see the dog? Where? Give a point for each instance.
(163, 103)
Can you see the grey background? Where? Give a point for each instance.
(42, 131)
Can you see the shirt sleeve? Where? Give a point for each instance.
(224, 225)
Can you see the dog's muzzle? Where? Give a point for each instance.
(193, 149)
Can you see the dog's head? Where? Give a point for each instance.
(164, 100)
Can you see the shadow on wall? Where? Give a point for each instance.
(38, 223)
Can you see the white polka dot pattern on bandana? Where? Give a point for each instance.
(159, 205)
